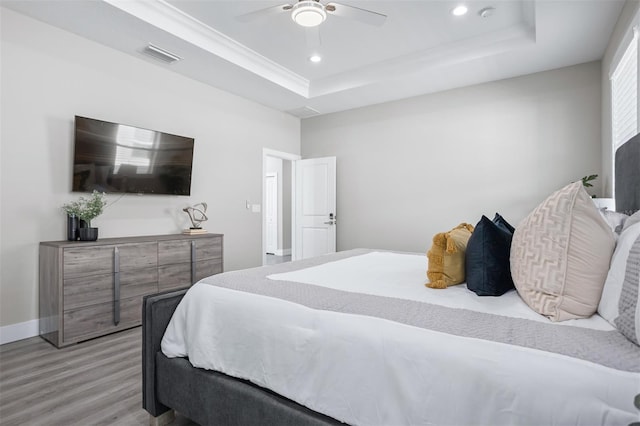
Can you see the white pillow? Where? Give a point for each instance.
(614, 219)
(634, 218)
(608, 306)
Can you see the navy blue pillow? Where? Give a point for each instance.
(487, 266)
(502, 223)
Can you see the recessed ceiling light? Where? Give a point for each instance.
(459, 10)
(315, 58)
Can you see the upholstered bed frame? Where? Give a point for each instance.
(208, 397)
(627, 173)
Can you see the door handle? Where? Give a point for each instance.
(332, 219)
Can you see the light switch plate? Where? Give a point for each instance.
(255, 208)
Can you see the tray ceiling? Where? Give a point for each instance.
(420, 48)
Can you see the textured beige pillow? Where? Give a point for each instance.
(560, 255)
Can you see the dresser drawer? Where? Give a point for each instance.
(209, 248)
(174, 276)
(137, 256)
(207, 268)
(97, 320)
(88, 261)
(86, 291)
(172, 252)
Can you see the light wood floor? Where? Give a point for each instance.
(94, 382)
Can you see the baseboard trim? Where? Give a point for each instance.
(283, 252)
(19, 331)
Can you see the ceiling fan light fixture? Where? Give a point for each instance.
(308, 13)
(487, 12)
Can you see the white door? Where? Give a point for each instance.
(271, 211)
(315, 207)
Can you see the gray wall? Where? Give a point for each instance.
(409, 169)
(48, 76)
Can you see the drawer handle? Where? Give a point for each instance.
(116, 286)
(193, 261)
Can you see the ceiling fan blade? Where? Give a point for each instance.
(261, 13)
(363, 15)
(312, 35)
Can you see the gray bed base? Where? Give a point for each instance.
(627, 174)
(206, 397)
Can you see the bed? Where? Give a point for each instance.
(288, 333)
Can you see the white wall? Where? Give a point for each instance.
(48, 76)
(622, 33)
(409, 169)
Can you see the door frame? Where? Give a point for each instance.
(278, 212)
(266, 152)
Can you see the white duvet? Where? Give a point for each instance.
(369, 371)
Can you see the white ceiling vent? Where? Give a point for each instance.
(303, 112)
(160, 54)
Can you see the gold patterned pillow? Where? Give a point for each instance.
(446, 257)
(560, 255)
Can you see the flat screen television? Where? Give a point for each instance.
(116, 158)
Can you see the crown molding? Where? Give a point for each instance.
(168, 18)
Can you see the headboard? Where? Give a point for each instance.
(628, 176)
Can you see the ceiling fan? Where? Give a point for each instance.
(311, 13)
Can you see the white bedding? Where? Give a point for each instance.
(403, 276)
(370, 371)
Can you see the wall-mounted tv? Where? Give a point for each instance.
(116, 158)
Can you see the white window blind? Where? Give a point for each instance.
(624, 95)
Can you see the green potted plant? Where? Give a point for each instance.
(80, 213)
(586, 180)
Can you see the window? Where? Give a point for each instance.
(624, 98)
(624, 95)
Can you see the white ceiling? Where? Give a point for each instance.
(421, 48)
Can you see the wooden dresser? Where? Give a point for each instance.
(89, 289)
